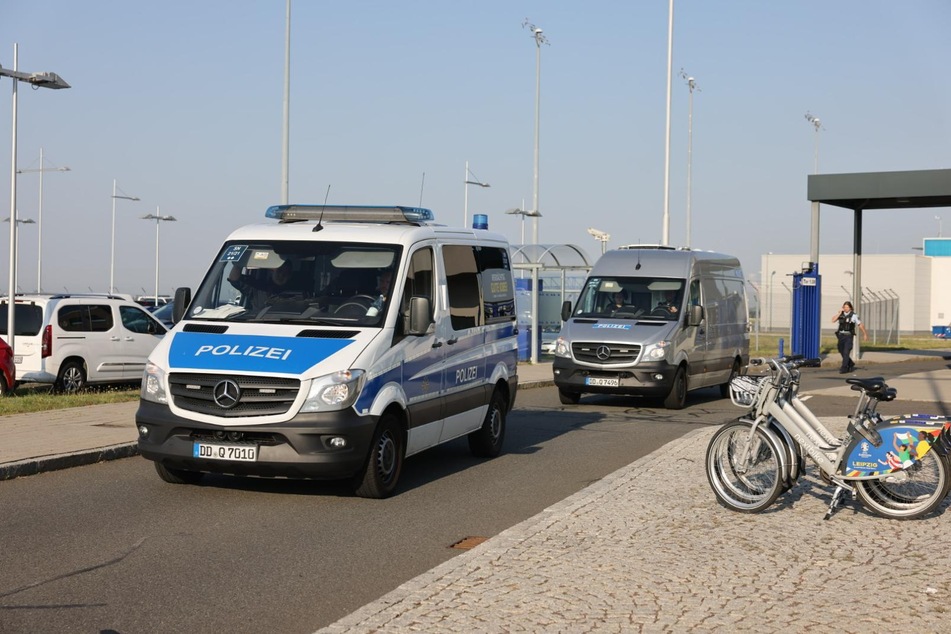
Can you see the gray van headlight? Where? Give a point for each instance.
(562, 348)
(153, 384)
(334, 391)
(656, 351)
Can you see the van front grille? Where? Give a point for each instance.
(605, 353)
(257, 395)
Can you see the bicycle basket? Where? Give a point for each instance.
(743, 389)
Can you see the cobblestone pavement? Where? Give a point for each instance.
(648, 549)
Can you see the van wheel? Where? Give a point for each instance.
(677, 397)
(72, 377)
(178, 476)
(725, 387)
(3, 386)
(385, 463)
(487, 441)
(568, 398)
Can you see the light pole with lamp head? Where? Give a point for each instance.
(37, 80)
(476, 181)
(539, 40)
(692, 85)
(112, 257)
(817, 124)
(20, 221)
(158, 218)
(39, 221)
(602, 237)
(521, 212)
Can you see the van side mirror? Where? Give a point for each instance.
(694, 315)
(420, 316)
(566, 311)
(183, 297)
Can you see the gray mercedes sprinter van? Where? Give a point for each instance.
(654, 321)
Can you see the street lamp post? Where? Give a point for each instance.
(521, 212)
(692, 85)
(817, 124)
(670, 58)
(473, 181)
(39, 221)
(158, 218)
(539, 40)
(112, 257)
(37, 80)
(771, 274)
(20, 221)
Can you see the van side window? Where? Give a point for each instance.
(419, 283)
(695, 293)
(136, 320)
(86, 318)
(497, 291)
(462, 280)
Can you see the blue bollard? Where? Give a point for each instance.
(781, 347)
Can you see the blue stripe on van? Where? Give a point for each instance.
(249, 353)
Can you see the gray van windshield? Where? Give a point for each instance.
(631, 298)
(330, 283)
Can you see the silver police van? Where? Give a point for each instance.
(332, 344)
(654, 321)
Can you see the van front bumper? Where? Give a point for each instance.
(645, 379)
(298, 448)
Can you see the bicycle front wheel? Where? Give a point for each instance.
(920, 493)
(744, 467)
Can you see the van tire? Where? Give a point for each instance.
(568, 398)
(3, 387)
(385, 462)
(178, 476)
(72, 377)
(487, 441)
(677, 397)
(734, 372)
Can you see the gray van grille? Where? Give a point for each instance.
(260, 395)
(618, 353)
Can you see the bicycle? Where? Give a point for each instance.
(899, 467)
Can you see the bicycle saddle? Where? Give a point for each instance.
(871, 384)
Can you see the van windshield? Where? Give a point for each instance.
(652, 298)
(330, 283)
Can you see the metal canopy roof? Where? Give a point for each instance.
(551, 256)
(882, 190)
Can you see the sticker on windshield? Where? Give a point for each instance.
(233, 253)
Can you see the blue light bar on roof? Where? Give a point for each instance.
(349, 213)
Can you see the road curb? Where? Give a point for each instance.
(33, 466)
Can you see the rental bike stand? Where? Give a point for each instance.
(836, 500)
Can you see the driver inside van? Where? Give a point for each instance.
(669, 302)
(271, 283)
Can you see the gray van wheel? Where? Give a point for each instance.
(178, 476)
(678, 391)
(72, 377)
(3, 386)
(725, 387)
(385, 463)
(568, 398)
(487, 441)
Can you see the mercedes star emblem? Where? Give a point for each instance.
(603, 353)
(226, 393)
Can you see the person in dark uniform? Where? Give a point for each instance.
(845, 332)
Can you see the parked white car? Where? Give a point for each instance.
(74, 340)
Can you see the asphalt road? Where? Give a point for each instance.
(110, 547)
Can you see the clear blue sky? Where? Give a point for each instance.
(182, 103)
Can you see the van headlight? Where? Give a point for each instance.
(153, 384)
(656, 351)
(562, 348)
(334, 391)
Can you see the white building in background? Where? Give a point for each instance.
(921, 284)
